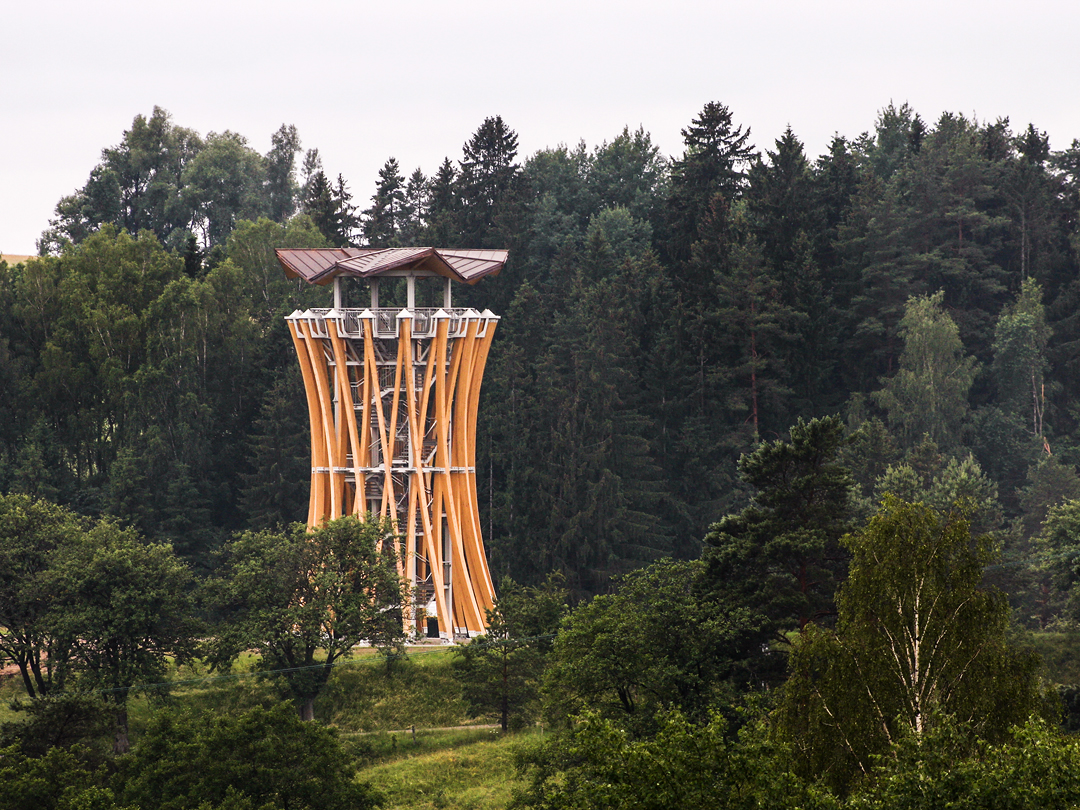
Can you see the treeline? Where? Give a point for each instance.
(661, 317)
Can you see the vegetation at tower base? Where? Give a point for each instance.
(500, 671)
(304, 599)
(917, 639)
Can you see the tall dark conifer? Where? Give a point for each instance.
(717, 154)
(443, 208)
(383, 220)
(488, 183)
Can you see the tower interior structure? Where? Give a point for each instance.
(393, 394)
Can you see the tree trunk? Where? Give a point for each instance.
(307, 710)
(24, 670)
(121, 744)
(505, 718)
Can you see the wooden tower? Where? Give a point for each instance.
(392, 394)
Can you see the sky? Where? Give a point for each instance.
(413, 79)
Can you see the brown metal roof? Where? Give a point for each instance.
(322, 265)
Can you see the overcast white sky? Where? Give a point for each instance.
(414, 78)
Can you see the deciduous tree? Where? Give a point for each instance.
(653, 645)
(929, 393)
(125, 608)
(260, 758)
(500, 671)
(304, 599)
(917, 638)
(31, 532)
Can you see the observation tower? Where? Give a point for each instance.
(392, 394)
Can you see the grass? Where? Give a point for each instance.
(363, 694)
(420, 691)
(447, 769)
(11, 687)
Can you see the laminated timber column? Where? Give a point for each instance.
(393, 400)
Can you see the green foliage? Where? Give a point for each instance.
(917, 638)
(651, 646)
(779, 558)
(60, 720)
(124, 608)
(90, 605)
(59, 780)
(1060, 538)
(330, 209)
(261, 758)
(581, 490)
(31, 532)
(1019, 366)
(281, 184)
(137, 186)
(488, 185)
(715, 157)
(304, 599)
(275, 493)
(1036, 768)
(384, 219)
(500, 671)
(251, 247)
(223, 184)
(869, 452)
(1049, 482)
(928, 478)
(597, 765)
(929, 393)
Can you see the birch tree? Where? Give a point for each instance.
(917, 639)
(929, 393)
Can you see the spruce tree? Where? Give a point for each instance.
(384, 220)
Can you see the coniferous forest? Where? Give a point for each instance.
(746, 406)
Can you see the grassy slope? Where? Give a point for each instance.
(471, 770)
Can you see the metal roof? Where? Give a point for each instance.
(322, 265)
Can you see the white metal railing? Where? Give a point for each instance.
(350, 322)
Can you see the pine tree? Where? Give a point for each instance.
(319, 204)
(331, 209)
(275, 491)
(414, 208)
(781, 553)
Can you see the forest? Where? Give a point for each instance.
(745, 407)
